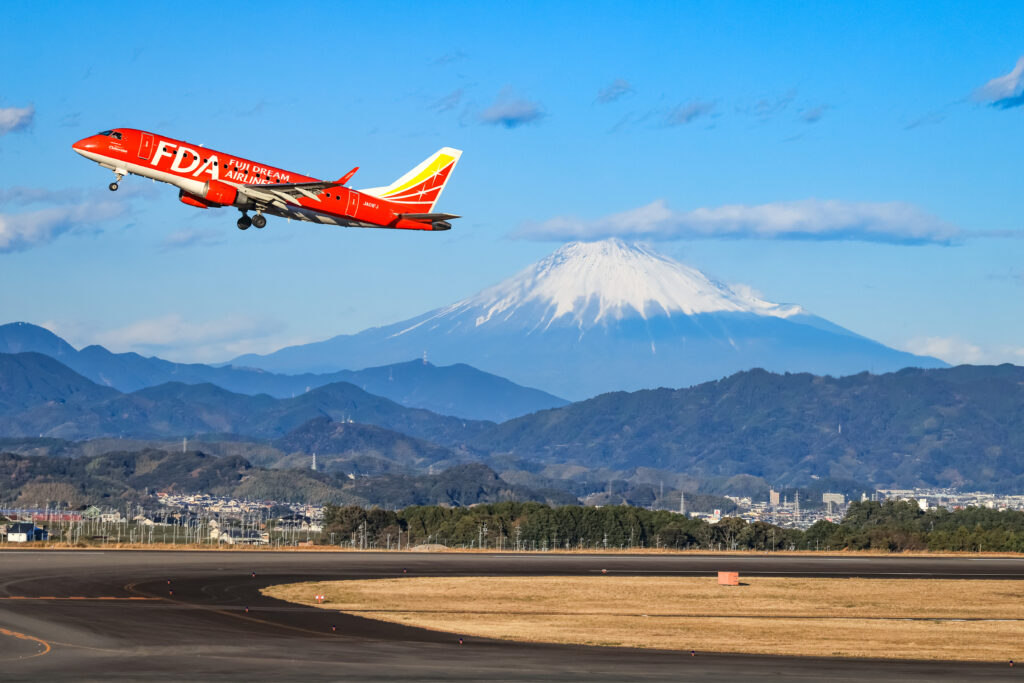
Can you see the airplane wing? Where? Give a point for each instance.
(284, 194)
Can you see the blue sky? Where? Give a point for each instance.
(859, 159)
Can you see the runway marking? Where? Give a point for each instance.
(71, 597)
(23, 636)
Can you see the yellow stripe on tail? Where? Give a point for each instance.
(419, 189)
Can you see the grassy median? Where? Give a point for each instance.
(887, 618)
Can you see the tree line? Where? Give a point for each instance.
(890, 526)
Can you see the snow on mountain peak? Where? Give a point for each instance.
(589, 283)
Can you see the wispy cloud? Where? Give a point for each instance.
(615, 90)
(809, 219)
(767, 107)
(449, 58)
(511, 111)
(929, 119)
(196, 340)
(13, 119)
(27, 229)
(71, 120)
(449, 101)
(23, 196)
(959, 351)
(1004, 92)
(814, 114)
(183, 239)
(688, 113)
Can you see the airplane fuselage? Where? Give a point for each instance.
(209, 178)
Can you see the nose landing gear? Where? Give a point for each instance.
(113, 186)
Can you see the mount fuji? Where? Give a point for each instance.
(602, 316)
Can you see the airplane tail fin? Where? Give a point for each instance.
(418, 190)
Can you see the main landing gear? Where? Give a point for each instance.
(259, 221)
(113, 186)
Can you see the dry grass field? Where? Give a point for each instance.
(887, 618)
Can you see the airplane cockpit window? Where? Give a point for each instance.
(117, 135)
(106, 132)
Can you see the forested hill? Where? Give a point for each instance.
(120, 477)
(961, 427)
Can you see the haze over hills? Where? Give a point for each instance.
(46, 398)
(604, 316)
(457, 389)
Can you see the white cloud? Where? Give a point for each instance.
(180, 339)
(1005, 91)
(953, 350)
(16, 118)
(511, 111)
(958, 351)
(808, 219)
(21, 231)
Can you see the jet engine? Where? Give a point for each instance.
(217, 193)
(193, 200)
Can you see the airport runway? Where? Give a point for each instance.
(95, 615)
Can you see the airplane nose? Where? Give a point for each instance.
(84, 145)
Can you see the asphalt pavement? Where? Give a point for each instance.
(198, 616)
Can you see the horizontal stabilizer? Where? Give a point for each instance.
(428, 216)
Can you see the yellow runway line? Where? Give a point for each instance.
(23, 636)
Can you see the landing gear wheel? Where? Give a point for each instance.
(112, 187)
(259, 221)
(244, 222)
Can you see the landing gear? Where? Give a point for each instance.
(113, 186)
(259, 220)
(244, 222)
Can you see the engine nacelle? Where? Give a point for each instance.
(218, 194)
(193, 200)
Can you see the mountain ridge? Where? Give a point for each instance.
(457, 389)
(175, 409)
(606, 316)
(955, 427)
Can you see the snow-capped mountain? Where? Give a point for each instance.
(588, 284)
(603, 316)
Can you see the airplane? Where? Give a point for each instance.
(209, 179)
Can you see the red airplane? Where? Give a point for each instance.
(207, 179)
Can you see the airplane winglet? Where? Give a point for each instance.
(348, 176)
